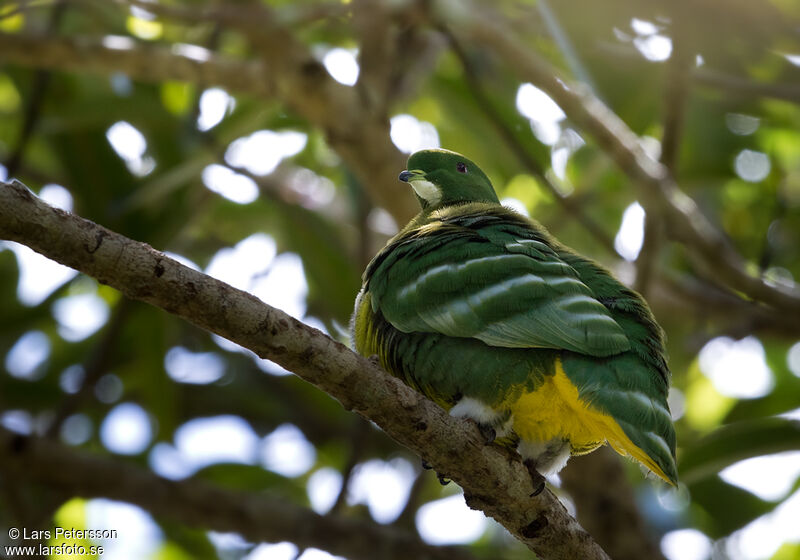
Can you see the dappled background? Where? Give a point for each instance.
(280, 180)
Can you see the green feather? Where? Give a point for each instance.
(485, 272)
(473, 300)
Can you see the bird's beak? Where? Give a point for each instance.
(413, 175)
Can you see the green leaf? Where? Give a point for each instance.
(251, 478)
(727, 507)
(736, 442)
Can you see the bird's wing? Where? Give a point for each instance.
(485, 277)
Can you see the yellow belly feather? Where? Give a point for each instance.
(555, 410)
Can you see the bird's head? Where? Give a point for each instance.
(441, 178)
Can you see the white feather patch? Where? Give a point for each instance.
(426, 190)
(474, 409)
(549, 457)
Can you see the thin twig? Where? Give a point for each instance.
(96, 365)
(24, 7)
(360, 429)
(717, 80)
(736, 85)
(39, 88)
(511, 140)
(676, 93)
(561, 39)
(245, 18)
(723, 310)
(407, 516)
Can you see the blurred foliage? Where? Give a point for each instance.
(742, 95)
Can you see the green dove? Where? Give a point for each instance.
(484, 312)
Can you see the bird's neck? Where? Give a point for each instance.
(450, 211)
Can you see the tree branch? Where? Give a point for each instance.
(287, 71)
(494, 479)
(39, 88)
(658, 189)
(729, 85)
(606, 505)
(676, 94)
(141, 61)
(196, 503)
(687, 296)
(745, 87)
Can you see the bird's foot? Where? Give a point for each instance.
(488, 433)
(536, 477)
(443, 480)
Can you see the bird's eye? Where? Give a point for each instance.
(461, 167)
